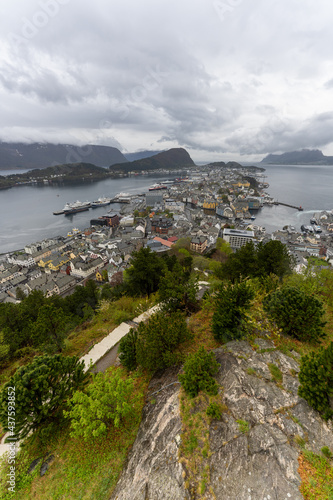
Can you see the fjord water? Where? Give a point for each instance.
(310, 187)
(26, 212)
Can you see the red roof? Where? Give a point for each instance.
(173, 239)
(164, 242)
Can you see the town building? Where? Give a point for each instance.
(237, 237)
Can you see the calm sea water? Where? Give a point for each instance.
(26, 213)
(301, 185)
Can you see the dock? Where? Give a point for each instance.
(300, 209)
(120, 200)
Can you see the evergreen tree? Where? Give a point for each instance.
(40, 390)
(232, 301)
(199, 370)
(127, 350)
(316, 380)
(298, 313)
(144, 275)
(159, 339)
(177, 291)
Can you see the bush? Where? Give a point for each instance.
(231, 304)
(108, 400)
(199, 369)
(214, 410)
(316, 380)
(297, 313)
(159, 339)
(37, 392)
(127, 349)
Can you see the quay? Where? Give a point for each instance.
(120, 200)
(300, 209)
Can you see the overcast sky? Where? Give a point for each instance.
(225, 79)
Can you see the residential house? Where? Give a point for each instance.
(198, 244)
(82, 269)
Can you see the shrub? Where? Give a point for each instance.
(316, 380)
(327, 452)
(199, 369)
(159, 339)
(127, 348)
(214, 410)
(38, 392)
(231, 304)
(108, 400)
(297, 313)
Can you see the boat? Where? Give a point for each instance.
(253, 217)
(157, 187)
(74, 232)
(313, 220)
(317, 229)
(101, 202)
(77, 206)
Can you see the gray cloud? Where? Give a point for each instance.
(231, 78)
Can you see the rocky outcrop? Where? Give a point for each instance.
(257, 460)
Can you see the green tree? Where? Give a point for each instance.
(49, 329)
(240, 264)
(316, 380)
(144, 275)
(232, 301)
(41, 389)
(258, 261)
(199, 370)
(274, 258)
(177, 291)
(108, 400)
(159, 339)
(297, 313)
(127, 350)
(223, 246)
(4, 348)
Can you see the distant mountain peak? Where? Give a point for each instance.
(301, 157)
(172, 159)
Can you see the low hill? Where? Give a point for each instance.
(175, 158)
(29, 156)
(303, 157)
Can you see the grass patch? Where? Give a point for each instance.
(243, 426)
(80, 470)
(276, 373)
(317, 477)
(108, 317)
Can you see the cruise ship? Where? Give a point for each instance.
(77, 206)
(101, 202)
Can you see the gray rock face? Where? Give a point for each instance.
(153, 470)
(259, 463)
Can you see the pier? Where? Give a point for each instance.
(300, 209)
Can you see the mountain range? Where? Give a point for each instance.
(303, 157)
(37, 155)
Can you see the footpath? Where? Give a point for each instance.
(98, 353)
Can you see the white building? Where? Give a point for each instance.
(237, 237)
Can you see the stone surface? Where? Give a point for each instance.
(256, 465)
(153, 470)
